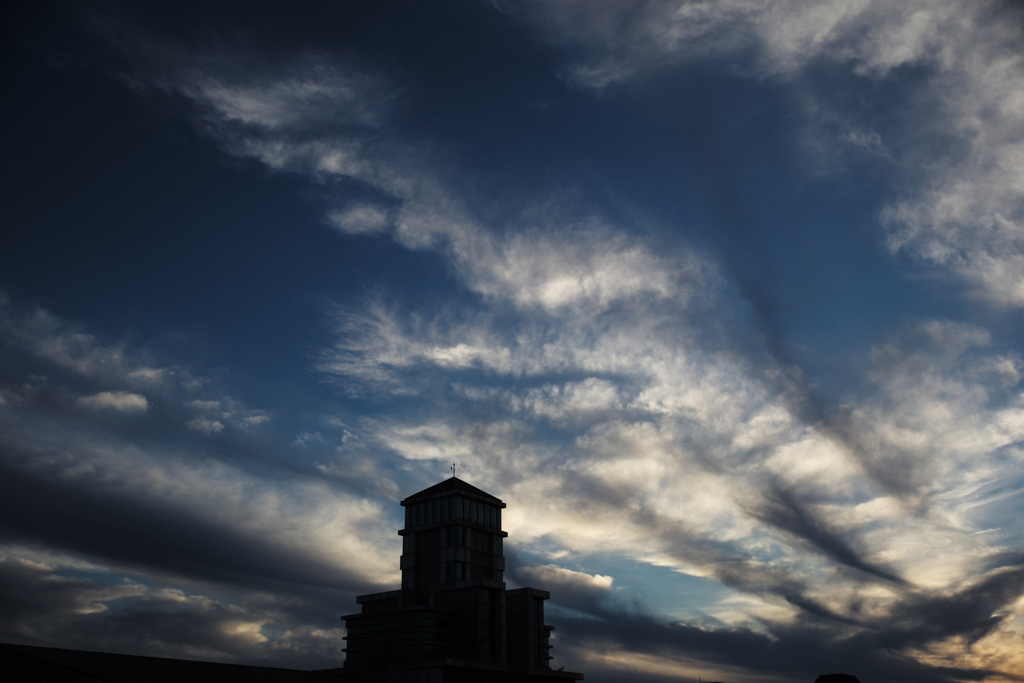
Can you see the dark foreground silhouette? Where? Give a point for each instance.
(453, 620)
(56, 665)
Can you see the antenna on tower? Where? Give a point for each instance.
(452, 468)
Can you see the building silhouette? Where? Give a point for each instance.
(452, 619)
(59, 665)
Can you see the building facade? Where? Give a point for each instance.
(452, 619)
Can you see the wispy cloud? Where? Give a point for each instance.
(189, 507)
(121, 401)
(957, 142)
(586, 382)
(674, 455)
(59, 598)
(690, 456)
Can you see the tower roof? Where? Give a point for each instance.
(453, 485)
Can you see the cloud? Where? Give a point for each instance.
(957, 142)
(552, 257)
(551, 575)
(573, 400)
(205, 426)
(120, 401)
(583, 383)
(626, 436)
(784, 511)
(146, 376)
(587, 593)
(312, 91)
(304, 438)
(53, 601)
(140, 498)
(634, 642)
(46, 337)
(360, 218)
(225, 409)
(621, 38)
(67, 347)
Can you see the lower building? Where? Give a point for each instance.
(58, 665)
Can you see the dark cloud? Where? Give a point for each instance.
(29, 597)
(153, 536)
(43, 606)
(795, 653)
(872, 649)
(822, 639)
(782, 509)
(970, 613)
(730, 564)
(575, 590)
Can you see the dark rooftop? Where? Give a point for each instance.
(57, 665)
(452, 484)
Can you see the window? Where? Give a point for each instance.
(455, 536)
(456, 571)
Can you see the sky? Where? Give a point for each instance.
(723, 299)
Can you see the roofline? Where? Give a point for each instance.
(453, 486)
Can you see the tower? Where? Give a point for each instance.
(453, 616)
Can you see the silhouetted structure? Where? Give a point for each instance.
(452, 619)
(836, 678)
(57, 665)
